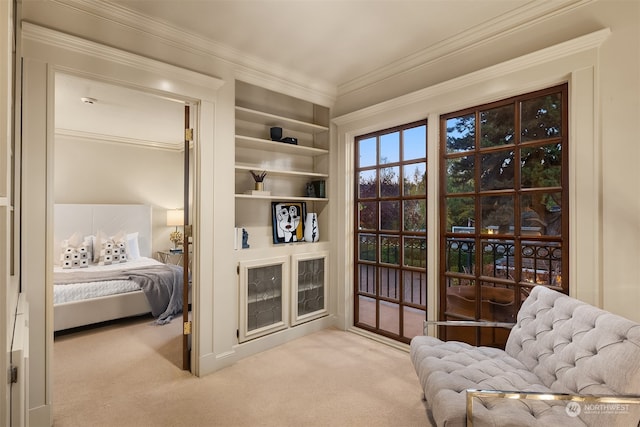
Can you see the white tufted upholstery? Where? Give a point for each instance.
(559, 344)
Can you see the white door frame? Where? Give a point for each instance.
(46, 52)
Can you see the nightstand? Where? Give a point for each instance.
(168, 257)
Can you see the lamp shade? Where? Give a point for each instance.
(175, 218)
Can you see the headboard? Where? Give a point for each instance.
(89, 219)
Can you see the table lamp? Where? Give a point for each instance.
(175, 218)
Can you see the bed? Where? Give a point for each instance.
(104, 269)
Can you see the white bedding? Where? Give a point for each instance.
(82, 291)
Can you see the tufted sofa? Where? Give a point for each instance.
(558, 345)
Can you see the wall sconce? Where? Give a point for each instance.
(175, 218)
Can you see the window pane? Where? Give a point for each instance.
(497, 213)
(390, 317)
(541, 118)
(367, 311)
(415, 287)
(367, 184)
(497, 171)
(412, 321)
(367, 279)
(497, 126)
(461, 213)
(414, 143)
(390, 182)
(460, 253)
(390, 215)
(367, 215)
(390, 283)
(390, 148)
(415, 215)
(461, 301)
(542, 213)
(461, 133)
(390, 249)
(367, 151)
(497, 258)
(415, 252)
(415, 179)
(542, 263)
(497, 303)
(460, 175)
(367, 247)
(541, 166)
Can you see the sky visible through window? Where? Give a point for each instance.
(414, 147)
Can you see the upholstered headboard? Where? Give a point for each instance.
(110, 219)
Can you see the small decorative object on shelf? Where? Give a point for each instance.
(320, 188)
(311, 191)
(245, 239)
(241, 238)
(288, 226)
(259, 184)
(259, 179)
(311, 232)
(276, 133)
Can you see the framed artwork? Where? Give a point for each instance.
(288, 221)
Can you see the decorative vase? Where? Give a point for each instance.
(275, 133)
(259, 186)
(311, 233)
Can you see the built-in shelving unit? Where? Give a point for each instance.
(289, 167)
(299, 295)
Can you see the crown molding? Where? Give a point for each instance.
(181, 39)
(111, 139)
(55, 38)
(530, 14)
(555, 52)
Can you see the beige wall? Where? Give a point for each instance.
(87, 171)
(8, 283)
(615, 174)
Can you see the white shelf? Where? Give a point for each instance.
(283, 198)
(273, 120)
(282, 172)
(277, 147)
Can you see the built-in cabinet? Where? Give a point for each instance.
(280, 292)
(281, 285)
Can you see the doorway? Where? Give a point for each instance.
(114, 145)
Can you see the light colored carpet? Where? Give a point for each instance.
(128, 374)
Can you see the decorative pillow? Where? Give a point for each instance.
(112, 250)
(133, 249)
(76, 252)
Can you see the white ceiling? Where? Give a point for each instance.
(335, 42)
(329, 40)
(118, 114)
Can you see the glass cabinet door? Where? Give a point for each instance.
(263, 297)
(309, 290)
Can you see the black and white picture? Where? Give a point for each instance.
(288, 221)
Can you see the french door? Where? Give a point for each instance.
(187, 327)
(504, 220)
(390, 223)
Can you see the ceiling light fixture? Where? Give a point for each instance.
(88, 100)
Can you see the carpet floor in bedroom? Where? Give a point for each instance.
(128, 374)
